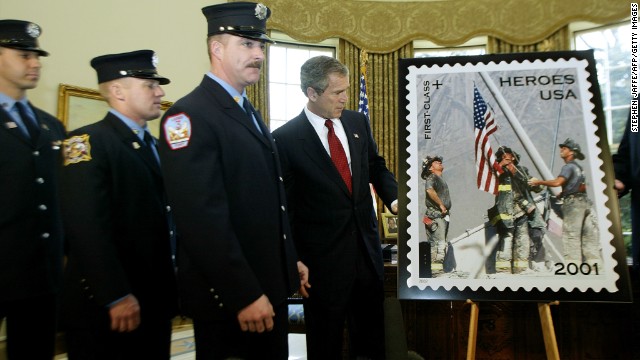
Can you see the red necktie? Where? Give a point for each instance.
(338, 155)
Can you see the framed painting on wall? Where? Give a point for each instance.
(79, 106)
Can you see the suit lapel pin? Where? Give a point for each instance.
(135, 145)
(10, 125)
(356, 136)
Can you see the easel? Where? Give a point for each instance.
(548, 333)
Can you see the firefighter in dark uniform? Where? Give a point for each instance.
(236, 259)
(30, 224)
(119, 286)
(519, 222)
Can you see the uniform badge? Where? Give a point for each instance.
(33, 30)
(154, 60)
(177, 131)
(261, 11)
(76, 149)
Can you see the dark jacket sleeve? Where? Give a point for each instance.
(382, 179)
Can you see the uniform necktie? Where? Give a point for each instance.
(338, 156)
(29, 123)
(247, 108)
(151, 144)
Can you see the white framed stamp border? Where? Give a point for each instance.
(585, 118)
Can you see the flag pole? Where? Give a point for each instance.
(531, 150)
(363, 101)
(364, 59)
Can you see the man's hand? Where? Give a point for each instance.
(443, 209)
(619, 186)
(258, 316)
(125, 314)
(303, 271)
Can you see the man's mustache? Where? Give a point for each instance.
(256, 64)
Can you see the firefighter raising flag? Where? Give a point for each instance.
(484, 125)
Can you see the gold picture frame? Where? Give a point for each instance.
(390, 225)
(79, 106)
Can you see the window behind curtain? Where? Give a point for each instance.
(612, 50)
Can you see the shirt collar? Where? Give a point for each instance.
(137, 129)
(318, 121)
(8, 102)
(230, 89)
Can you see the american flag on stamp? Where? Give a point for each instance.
(484, 125)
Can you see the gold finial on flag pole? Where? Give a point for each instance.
(364, 59)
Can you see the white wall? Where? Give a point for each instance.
(75, 31)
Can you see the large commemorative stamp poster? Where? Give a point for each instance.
(506, 182)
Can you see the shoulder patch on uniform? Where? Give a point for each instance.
(177, 131)
(76, 149)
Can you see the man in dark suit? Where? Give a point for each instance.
(236, 259)
(30, 224)
(327, 182)
(119, 289)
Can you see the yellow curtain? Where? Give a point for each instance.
(382, 26)
(559, 40)
(382, 91)
(258, 93)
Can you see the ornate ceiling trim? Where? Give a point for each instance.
(384, 26)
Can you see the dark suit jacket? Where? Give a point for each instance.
(325, 218)
(228, 198)
(30, 224)
(115, 219)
